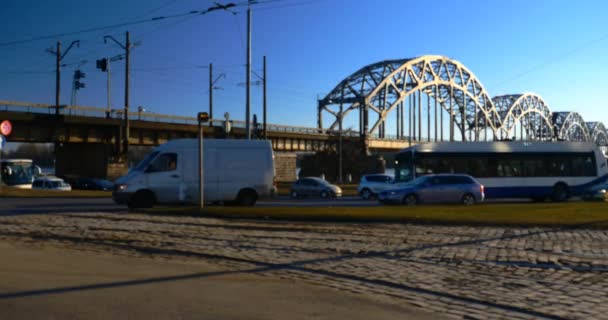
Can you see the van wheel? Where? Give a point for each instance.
(410, 200)
(141, 200)
(560, 192)
(324, 194)
(247, 197)
(468, 199)
(366, 194)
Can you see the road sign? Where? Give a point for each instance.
(203, 117)
(6, 128)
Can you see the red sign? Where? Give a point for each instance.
(6, 128)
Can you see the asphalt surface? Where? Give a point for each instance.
(25, 206)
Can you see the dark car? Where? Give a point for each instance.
(314, 187)
(436, 188)
(92, 184)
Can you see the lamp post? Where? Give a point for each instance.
(203, 117)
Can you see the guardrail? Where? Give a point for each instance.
(28, 107)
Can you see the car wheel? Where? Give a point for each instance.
(410, 200)
(560, 192)
(366, 194)
(141, 200)
(468, 199)
(294, 194)
(324, 194)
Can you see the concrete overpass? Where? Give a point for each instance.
(88, 138)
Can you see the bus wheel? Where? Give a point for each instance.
(560, 192)
(468, 199)
(410, 200)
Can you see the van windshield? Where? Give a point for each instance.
(144, 163)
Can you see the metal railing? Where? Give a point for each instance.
(96, 112)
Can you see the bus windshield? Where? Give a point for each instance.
(17, 172)
(404, 167)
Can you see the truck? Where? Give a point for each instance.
(235, 171)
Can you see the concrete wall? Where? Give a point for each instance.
(285, 166)
(87, 160)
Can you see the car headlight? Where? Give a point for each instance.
(603, 191)
(121, 187)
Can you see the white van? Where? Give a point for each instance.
(233, 170)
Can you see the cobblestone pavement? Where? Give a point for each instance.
(464, 272)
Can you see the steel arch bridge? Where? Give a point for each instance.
(399, 85)
(570, 126)
(527, 111)
(597, 133)
(404, 86)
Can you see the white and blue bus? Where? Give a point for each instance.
(535, 170)
(18, 173)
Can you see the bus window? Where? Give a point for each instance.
(583, 166)
(403, 168)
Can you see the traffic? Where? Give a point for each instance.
(243, 173)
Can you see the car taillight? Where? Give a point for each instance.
(482, 189)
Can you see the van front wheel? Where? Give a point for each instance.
(247, 197)
(141, 200)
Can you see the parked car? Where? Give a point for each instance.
(50, 183)
(234, 170)
(372, 184)
(92, 184)
(598, 192)
(314, 187)
(436, 188)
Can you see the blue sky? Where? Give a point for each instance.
(554, 48)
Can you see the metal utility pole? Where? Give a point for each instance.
(211, 94)
(127, 48)
(201, 180)
(202, 117)
(57, 77)
(264, 75)
(108, 90)
(248, 102)
(211, 88)
(58, 58)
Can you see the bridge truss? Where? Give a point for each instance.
(449, 89)
(427, 93)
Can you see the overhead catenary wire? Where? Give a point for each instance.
(126, 23)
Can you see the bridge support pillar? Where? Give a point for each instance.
(87, 160)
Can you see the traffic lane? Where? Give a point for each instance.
(316, 202)
(24, 206)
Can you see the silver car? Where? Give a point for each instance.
(436, 188)
(315, 188)
(372, 184)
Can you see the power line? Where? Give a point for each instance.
(123, 24)
(554, 60)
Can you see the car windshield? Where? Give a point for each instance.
(141, 166)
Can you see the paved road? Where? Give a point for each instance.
(24, 206)
(458, 271)
(75, 284)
